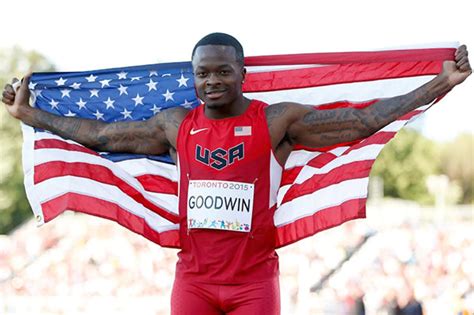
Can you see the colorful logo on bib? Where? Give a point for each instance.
(219, 158)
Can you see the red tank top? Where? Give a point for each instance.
(227, 196)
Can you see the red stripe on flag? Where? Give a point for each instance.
(320, 221)
(322, 76)
(110, 211)
(100, 174)
(353, 170)
(428, 54)
(158, 184)
(60, 144)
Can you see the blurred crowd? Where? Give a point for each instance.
(79, 264)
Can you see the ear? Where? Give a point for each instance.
(244, 72)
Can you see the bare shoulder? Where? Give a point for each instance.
(288, 112)
(170, 118)
(168, 121)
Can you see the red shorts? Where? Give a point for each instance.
(261, 297)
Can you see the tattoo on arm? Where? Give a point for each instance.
(148, 137)
(275, 111)
(347, 124)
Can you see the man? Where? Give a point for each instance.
(229, 153)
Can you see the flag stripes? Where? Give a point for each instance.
(320, 187)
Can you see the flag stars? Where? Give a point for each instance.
(91, 78)
(98, 115)
(70, 114)
(187, 104)
(153, 73)
(94, 92)
(81, 103)
(105, 83)
(75, 86)
(138, 100)
(155, 109)
(126, 114)
(123, 89)
(151, 85)
(109, 103)
(168, 95)
(65, 93)
(183, 81)
(32, 85)
(122, 75)
(54, 104)
(60, 81)
(135, 79)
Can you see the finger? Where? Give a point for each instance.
(26, 79)
(460, 55)
(7, 98)
(8, 88)
(463, 63)
(8, 95)
(461, 49)
(465, 67)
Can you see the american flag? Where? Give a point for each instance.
(320, 188)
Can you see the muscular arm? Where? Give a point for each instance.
(327, 127)
(156, 135)
(297, 124)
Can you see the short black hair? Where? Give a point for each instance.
(224, 40)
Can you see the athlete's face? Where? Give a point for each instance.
(218, 76)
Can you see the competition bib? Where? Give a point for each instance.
(221, 205)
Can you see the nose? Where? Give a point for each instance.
(213, 79)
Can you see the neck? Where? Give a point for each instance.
(236, 108)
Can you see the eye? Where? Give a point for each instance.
(201, 74)
(224, 72)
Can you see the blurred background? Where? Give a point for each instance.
(416, 249)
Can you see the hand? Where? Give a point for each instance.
(17, 100)
(458, 70)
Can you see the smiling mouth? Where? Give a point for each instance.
(214, 94)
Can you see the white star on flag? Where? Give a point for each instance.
(122, 75)
(81, 103)
(75, 86)
(94, 93)
(105, 83)
(109, 103)
(91, 78)
(168, 95)
(53, 104)
(32, 85)
(136, 79)
(70, 114)
(187, 104)
(126, 114)
(153, 73)
(123, 89)
(182, 81)
(65, 92)
(98, 115)
(155, 109)
(138, 100)
(60, 81)
(151, 85)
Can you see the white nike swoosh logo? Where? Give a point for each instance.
(193, 132)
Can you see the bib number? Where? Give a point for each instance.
(221, 205)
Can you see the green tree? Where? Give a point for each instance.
(457, 162)
(404, 165)
(14, 207)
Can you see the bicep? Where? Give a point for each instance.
(156, 135)
(140, 137)
(318, 128)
